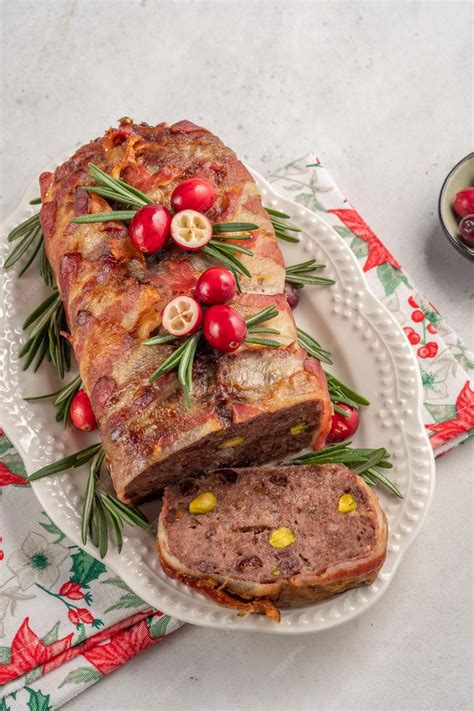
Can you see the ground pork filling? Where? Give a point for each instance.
(270, 437)
(232, 540)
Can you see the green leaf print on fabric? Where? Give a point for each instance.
(391, 278)
(33, 675)
(85, 568)
(441, 413)
(14, 463)
(3, 705)
(4, 655)
(52, 635)
(127, 600)
(432, 316)
(346, 233)
(38, 701)
(82, 634)
(359, 247)
(158, 628)
(310, 201)
(51, 527)
(462, 355)
(83, 675)
(118, 582)
(4, 447)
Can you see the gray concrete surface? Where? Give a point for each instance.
(382, 91)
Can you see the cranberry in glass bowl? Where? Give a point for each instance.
(454, 200)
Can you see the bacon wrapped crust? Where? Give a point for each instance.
(243, 404)
(226, 554)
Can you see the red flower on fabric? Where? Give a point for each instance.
(28, 652)
(82, 615)
(8, 477)
(378, 254)
(463, 422)
(71, 590)
(124, 646)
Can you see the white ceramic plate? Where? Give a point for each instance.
(370, 353)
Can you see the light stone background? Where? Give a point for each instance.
(383, 92)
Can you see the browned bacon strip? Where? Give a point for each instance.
(243, 405)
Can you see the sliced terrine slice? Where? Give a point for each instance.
(260, 539)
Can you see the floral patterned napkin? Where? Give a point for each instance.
(65, 619)
(446, 365)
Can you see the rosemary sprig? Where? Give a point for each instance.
(282, 229)
(115, 190)
(122, 192)
(261, 316)
(224, 227)
(341, 393)
(181, 359)
(227, 258)
(100, 507)
(29, 242)
(362, 461)
(312, 347)
(277, 213)
(254, 330)
(45, 270)
(121, 215)
(72, 461)
(303, 274)
(62, 399)
(45, 325)
(185, 367)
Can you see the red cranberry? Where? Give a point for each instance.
(464, 202)
(343, 427)
(150, 228)
(466, 228)
(80, 412)
(292, 295)
(224, 328)
(193, 194)
(216, 286)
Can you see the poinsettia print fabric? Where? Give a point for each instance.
(446, 365)
(65, 619)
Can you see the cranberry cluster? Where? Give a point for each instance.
(223, 327)
(153, 225)
(463, 206)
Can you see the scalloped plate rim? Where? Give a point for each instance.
(216, 618)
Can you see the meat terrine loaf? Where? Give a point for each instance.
(246, 407)
(260, 539)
